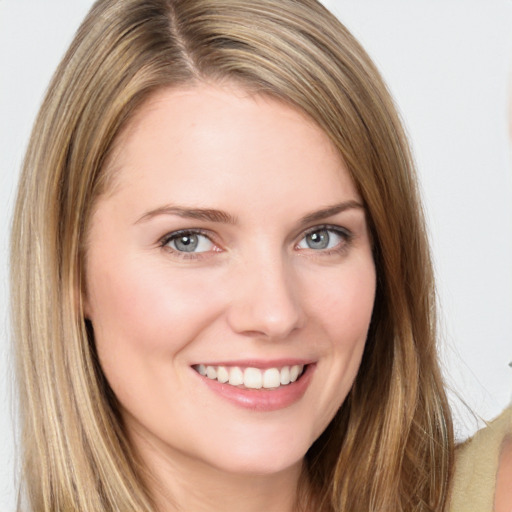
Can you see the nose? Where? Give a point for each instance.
(265, 300)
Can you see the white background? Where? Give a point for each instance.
(448, 64)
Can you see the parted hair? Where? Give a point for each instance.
(389, 447)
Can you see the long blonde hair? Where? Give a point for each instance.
(390, 445)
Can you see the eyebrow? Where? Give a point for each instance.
(329, 211)
(206, 214)
(213, 215)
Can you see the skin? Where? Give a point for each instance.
(503, 493)
(255, 291)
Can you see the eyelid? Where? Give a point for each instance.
(343, 232)
(327, 227)
(168, 237)
(181, 232)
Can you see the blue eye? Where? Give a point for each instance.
(189, 241)
(322, 239)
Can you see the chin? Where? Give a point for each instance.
(261, 457)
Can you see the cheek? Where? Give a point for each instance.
(344, 306)
(342, 309)
(143, 313)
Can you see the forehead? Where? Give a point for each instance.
(188, 142)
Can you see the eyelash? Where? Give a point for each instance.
(175, 235)
(345, 235)
(341, 247)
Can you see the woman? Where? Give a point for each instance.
(222, 288)
(483, 472)
(482, 479)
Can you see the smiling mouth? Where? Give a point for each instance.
(252, 378)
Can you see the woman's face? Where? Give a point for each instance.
(230, 280)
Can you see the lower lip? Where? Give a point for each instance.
(263, 399)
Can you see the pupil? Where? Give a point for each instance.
(187, 243)
(318, 239)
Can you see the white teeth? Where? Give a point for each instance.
(285, 375)
(252, 378)
(271, 378)
(211, 372)
(236, 377)
(294, 372)
(222, 374)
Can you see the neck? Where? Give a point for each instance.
(178, 483)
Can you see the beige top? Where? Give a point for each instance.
(476, 467)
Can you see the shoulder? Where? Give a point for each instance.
(483, 466)
(503, 495)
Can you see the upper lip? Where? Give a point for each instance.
(258, 363)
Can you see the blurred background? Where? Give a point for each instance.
(448, 65)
